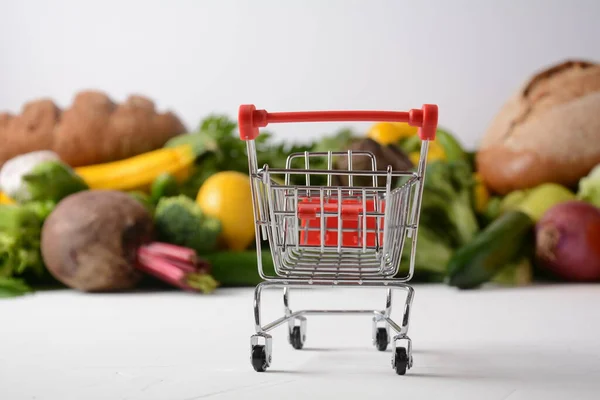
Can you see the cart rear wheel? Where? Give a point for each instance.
(381, 339)
(400, 361)
(259, 358)
(296, 338)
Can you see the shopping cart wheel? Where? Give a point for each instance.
(259, 358)
(382, 339)
(296, 338)
(400, 361)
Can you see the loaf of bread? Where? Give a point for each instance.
(93, 130)
(549, 131)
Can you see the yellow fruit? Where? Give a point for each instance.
(482, 195)
(4, 199)
(415, 156)
(227, 196)
(434, 153)
(386, 133)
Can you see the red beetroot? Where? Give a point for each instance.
(568, 241)
(102, 240)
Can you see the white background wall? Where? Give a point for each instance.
(197, 57)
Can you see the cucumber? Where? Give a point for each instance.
(491, 251)
(239, 269)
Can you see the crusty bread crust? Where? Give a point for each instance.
(93, 130)
(548, 132)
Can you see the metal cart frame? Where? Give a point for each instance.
(337, 236)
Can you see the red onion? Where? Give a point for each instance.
(568, 241)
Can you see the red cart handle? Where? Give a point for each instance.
(250, 119)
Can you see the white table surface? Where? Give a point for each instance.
(498, 344)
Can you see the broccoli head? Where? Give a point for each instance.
(179, 220)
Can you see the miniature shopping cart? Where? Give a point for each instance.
(338, 235)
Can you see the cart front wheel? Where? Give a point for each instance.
(296, 338)
(259, 358)
(381, 339)
(400, 361)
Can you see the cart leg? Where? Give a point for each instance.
(286, 301)
(402, 359)
(388, 303)
(407, 306)
(257, 293)
(296, 326)
(261, 343)
(381, 329)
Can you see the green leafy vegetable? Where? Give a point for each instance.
(432, 253)
(492, 210)
(452, 147)
(180, 221)
(144, 199)
(20, 235)
(446, 206)
(12, 287)
(51, 181)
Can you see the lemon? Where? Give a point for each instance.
(386, 133)
(227, 196)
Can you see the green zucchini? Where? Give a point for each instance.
(239, 269)
(165, 185)
(489, 252)
(501, 242)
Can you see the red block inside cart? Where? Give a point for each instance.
(352, 220)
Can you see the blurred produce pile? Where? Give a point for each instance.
(145, 202)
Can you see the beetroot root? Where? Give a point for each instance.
(90, 240)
